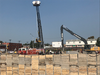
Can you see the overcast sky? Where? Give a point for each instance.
(18, 19)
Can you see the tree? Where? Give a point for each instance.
(36, 45)
(1, 42)
(98, 42)
(31, 44)
(47, 44)
(91, 37)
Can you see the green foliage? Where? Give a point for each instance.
(98, 42)
(31, 44)
(1, 41)
(36, 45)
(26, 44)
(47, 44)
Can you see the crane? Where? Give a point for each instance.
(40, 34)
(86, 46)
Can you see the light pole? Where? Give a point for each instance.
(33, 40)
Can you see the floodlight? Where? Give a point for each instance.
(36, 3)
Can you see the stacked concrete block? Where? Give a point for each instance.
(9, 64)
(15, 64)
(57, 70)
(73, 62)
(82, 63)
(92, 70)
(3, 65)
(49, 64)
(34, 64)
(82, 70)
(42, 65)
(73, 70)
(98, 64)
(57, 64)
(73, 59)
(91, 64)
(62, 64)
(3, 69)
(98, 70)
(21, 65)
(49, 69)
(27, 64)
(91, 59)
(65, 64)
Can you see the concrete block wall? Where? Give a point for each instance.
(63, 64)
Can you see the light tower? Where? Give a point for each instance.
(40, 34)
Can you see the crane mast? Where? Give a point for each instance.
(40, 34)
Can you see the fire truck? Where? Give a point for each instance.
(25, 51)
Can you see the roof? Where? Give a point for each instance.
(80, 40)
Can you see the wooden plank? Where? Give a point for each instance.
(49, 59)
(34, 57)
(15, 59)
(21, 59)
(42, 70)
(21, 70)
(42, 65)
(57, 70)
(9, 72)
(35, 65)
(28, 70)
(98, 59)
(98, 69)
(2, 59)
(3, 72)
(82, 60)
(49, 69)
(83, 70)
(15, 72)
(73, 59)
(91, 59)
(56, 60)
(27, 59)
(73, 69)
(73, 73)
(92, 70)
(3, 68)
(65, 71)
(15, 69)
(42, 60)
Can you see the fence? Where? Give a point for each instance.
(62, 64)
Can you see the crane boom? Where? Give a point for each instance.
(74, 34)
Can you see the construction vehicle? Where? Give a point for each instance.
(25, 51)
(87, 48)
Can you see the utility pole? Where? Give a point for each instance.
(40, 34)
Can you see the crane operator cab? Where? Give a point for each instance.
(87, 48)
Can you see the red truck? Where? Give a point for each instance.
(25, 51)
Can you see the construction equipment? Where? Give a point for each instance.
(40, 34)
(87, 47)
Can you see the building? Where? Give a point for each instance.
(56, 44)
(11, 46)
(79, 43)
